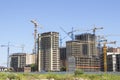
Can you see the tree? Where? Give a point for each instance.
(33, 67)
(63, 68)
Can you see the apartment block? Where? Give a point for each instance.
(113, 59)
(118, 62)
(84, 49)
(19, 60)
(90, 39)
(48, 52)
(83, 60)
(113, 62)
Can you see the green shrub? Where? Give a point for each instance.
(63, 68)
(59, 76)
(13, 76)
(49, 76)
(33, 67)
(78, 72)
(92, 77)
(3, 76)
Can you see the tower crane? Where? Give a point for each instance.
(105, 53)
(35, 41)
(102, 37)
(35, 34)
(71, 33)
(8, 52)
(105, 48)
(94, 34)
(96, 28)
(61, 39)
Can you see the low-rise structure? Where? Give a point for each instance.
(2, 68)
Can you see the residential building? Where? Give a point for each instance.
(118, 62)
(48, 52)
(19, 60)
(90, 48)
(83, 60)
(84, 49)
(113, 61)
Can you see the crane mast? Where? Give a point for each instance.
(94, 34)
(94, 29)
(105, 53)
(35, 34)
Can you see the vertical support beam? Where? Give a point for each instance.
(8, 54)
(39, 53)
(105, 57)
(72, 35)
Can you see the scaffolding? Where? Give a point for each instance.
(84, 51)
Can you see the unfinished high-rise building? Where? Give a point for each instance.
(48, 51)
(91, 48)
(112, 61)
(85, 52)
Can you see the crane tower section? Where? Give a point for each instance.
(35, 34)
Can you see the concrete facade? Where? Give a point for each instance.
(63, 57)
(84, 51)
(19, 60)
(48, 52)
(89, 43)
(113, 61)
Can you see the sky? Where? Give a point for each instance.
(16, 28)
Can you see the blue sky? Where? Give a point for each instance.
(16, 28)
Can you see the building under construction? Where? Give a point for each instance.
(48, 52)
(89, 43)
(112, 60)
(85, 52)
(19, 60)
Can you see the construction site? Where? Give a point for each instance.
(85, 51)
(90, 53)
